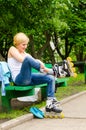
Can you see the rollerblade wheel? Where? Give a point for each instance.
(50, 116)
(45, 116)
(69, 58)
(71, 64)
(75, 75)
(55, 116)
(62, 115)
(73, 69)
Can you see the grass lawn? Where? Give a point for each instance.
(75, 85)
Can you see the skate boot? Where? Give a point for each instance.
(69, 68)
(59, 71)
(53, 109)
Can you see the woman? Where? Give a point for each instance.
(20, 64)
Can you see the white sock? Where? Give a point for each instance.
(49, 102)
(49, 72)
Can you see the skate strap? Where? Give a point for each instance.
(37, 112)
(56, 70)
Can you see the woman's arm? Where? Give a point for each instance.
(44, 69)
(13, 52)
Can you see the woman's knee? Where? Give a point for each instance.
(51, 78)
(26, 59)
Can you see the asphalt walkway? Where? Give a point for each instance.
(75, 117)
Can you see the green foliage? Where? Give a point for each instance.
(12, 114)
(41, 20)
(75, 85)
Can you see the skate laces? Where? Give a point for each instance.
(52, 102)
(64, 65)
(56, 70)
(65, 68)
(55, 101)
(56, 105)
(53, 105)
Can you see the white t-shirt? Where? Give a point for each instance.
(15, 67)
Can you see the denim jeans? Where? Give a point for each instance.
(26, 77)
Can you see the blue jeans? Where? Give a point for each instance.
(26, 77)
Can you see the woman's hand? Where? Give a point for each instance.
(42, 66)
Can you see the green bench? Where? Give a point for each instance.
(85, 71)
(13, 91)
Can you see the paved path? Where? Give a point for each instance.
(75, 117)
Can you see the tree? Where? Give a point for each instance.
(42, 20)
(34, 17)
(73, 38)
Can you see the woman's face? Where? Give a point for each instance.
(22, 46)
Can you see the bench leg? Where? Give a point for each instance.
(6, 103)
(44, 92)
(63, 84)
(6, 100)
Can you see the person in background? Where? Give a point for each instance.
(20, 64)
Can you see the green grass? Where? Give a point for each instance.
(75, 85)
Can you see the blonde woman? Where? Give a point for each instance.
(20, 64)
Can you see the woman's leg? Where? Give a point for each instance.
(24, 77)
(40, 78)
(51, 104)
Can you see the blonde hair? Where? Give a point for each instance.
(19, 38)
